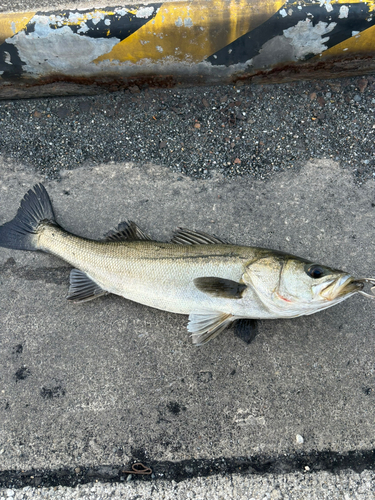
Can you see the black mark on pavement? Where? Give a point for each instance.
(314, 461)
(22, 373)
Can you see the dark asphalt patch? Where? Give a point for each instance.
(252, 131)
(328, 461)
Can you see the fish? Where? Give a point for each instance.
(212, 281)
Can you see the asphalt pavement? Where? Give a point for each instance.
(87, 390)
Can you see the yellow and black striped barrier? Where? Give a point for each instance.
(182, 42)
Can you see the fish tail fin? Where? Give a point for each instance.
(21, 232)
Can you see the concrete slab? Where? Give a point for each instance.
(111, 380)
(319, 485)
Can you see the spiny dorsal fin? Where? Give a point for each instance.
(246, 329)
(82, 288)
(220, 287)
(126, 231)
(183, 236)
(206, 325)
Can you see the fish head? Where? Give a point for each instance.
(290, 286)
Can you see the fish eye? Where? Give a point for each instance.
(315, 271)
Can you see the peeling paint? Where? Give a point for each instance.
(344, 12)
(306, 38)
(63, 51)
(275, 51)
(145, 12)
(121, 12)
(83, 29)
(327, 5)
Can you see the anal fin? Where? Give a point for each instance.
(206, 325)
(82, 288)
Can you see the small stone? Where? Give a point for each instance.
(237, 161)
(205, 102)
(10, 493)
(299, 439)
(37, 114)
(362, 84)
(357, 98)
(134, 89)
(77, 470)
(197, 125)
(276, 494)
(62, 112)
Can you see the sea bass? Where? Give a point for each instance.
(213, 282)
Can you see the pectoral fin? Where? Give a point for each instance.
(206, 325)
(246, 329)
(82, 288)
(220, 287)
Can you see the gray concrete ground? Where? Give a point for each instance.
(297, 486)
(109, 382)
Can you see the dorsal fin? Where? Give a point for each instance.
(126, 231)
(183, 236)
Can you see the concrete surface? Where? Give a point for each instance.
(110, 381)
(297, 486)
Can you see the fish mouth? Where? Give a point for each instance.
(342, 286)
